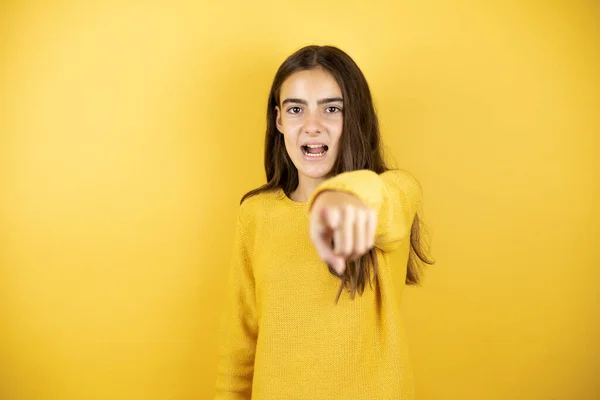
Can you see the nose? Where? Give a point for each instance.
(313, 124)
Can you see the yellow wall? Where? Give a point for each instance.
(128, 132)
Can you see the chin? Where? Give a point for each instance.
(316, 172)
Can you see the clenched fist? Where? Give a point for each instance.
(342, 228)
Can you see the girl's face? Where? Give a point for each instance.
(310, 118)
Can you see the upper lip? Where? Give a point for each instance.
(313, 144)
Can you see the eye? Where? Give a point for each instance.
(294, 110)
(334, 108)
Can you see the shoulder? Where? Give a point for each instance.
(404, 184)
(402, 177)
(256, 205)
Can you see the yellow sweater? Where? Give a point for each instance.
(282, 336)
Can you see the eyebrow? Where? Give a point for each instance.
(304, 102)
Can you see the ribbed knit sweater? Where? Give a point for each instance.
(282, 335)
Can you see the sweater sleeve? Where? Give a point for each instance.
(239, 327)
(395, 195)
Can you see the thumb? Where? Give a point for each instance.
(338, 264)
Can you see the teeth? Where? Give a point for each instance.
(313, 147)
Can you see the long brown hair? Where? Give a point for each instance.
(360, 148)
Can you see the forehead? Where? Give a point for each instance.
(310, 84)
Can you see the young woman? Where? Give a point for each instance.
(322, 225)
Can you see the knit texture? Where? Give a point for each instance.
(282, 335)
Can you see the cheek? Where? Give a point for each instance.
(290, 145)
(336, 133)
(289, 120)
(336, 128)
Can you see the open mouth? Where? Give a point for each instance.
(314, 150)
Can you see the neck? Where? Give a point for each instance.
(306, 186)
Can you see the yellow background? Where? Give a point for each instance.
(129, 131)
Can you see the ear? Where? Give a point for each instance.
(278, 122)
